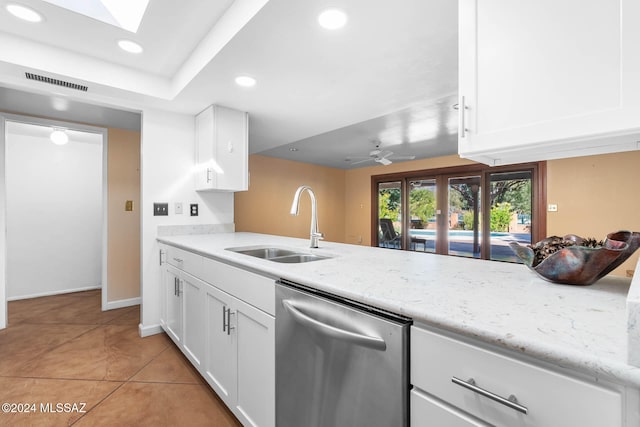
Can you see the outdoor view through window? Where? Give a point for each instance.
(465, 213)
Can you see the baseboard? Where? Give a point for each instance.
(112, 305)
(146, 331)
(57, 292)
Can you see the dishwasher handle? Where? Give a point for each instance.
(363, 340)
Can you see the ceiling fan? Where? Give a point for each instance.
(384, 157)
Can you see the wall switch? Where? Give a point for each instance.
(128, 205)
(178, 208)
(194, 209)
(160, 209)
(552, 208)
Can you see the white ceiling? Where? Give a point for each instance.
(389, 75)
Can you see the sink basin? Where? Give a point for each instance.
(275, 254)
(298, 258)
(263, 252)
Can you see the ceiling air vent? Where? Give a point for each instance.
(56, 82)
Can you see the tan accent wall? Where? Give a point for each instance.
(595, 196)
(272, 184)
(123, 273)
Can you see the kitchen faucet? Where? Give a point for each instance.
(315, 234)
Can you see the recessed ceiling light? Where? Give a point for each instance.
(332, 19)
(129, 46)
(245, 81)
(59, 137)
(24, 13)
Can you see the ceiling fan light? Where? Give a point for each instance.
(384, 161)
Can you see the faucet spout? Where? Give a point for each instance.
(315, 235)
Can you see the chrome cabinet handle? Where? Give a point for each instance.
(463, 111)
(178, 259)
(229, 327)
(226, 320)
(372, 342)
(511, 401)
(175, 286)
(161, 253)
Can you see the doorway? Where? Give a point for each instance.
(54, 203)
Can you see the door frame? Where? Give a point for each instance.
(9, 117)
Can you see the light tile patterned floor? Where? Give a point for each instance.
(69, 363)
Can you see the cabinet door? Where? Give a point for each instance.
(547, 78)
(428, 411)
(204, 128)
(193, 297)
(255, 400)
(162, 285)
(174, 303)
(232, 149)
(222, 149)
(220, 367)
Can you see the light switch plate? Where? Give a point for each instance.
(552, 208)
(178, 208)
(194, 209)
(160, 209)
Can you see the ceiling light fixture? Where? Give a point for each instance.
(245, 81)
(332, 19)
(130, 46)
(59, 137)
(24, 13)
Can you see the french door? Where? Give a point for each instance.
(467, 211)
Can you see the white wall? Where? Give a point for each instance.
(168, 158)
(54, 212)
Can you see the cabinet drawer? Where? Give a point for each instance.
(551, 398)
(427, 411)
(254, 289)
(185, 260)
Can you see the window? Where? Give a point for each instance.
(471, 211)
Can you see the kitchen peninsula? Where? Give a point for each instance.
(506, 307)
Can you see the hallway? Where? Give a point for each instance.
(63, 362)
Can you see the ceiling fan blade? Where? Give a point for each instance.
(384, 154)
(403, 157)
(362, 161)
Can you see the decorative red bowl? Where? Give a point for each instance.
(581, 265)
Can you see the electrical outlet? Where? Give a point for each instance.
(128, 206)
(552, 208)
(194, 209)
(160, 209)
(178, 208)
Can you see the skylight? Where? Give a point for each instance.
(125, 14)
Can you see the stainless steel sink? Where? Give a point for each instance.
(275, 254)
(298, 258)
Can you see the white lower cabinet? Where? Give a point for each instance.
(193, 337)
(173, 301)
(456, 383)
(229, 341)
(241, 357)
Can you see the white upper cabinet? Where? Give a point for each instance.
(546, 79)
(222, 149)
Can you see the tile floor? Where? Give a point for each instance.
(69, 363)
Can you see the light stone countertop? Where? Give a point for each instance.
(583, 328)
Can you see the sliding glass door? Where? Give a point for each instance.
(472, 212)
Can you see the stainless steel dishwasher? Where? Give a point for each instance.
(338, 363)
